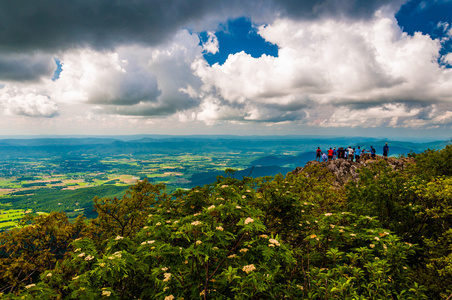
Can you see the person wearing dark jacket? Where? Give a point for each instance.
(385, 151)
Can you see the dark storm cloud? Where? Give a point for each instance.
(359, 9)
(56, 24)
(17, 67)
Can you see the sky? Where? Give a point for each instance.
(373, 68)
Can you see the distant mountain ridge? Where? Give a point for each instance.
(272, 148)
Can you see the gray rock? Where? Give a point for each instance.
(345, 170)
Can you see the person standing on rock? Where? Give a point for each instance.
(350, 153)
(324, 157)
(318, 153)
(358, 154)
(385, 151)
(334, 153)
(330, 154)
(372, 152)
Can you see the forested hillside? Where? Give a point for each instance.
(386, 234)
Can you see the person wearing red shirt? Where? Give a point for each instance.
(330, 154)
(318, 153)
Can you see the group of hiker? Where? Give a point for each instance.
(349, 153)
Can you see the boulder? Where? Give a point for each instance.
(345, 170)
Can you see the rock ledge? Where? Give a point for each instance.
(345, 170)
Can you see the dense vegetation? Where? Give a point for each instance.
(387, 236)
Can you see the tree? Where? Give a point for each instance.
(125, 216)
(37, 245)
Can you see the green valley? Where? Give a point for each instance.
(65, 174)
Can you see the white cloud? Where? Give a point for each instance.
(448, 58)
(211, 46)
(385, 115)
(27, 102)
(358, 70)
(103, 78)
(133, 80)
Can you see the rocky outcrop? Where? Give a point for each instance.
(345, 170)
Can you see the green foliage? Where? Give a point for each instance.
(286, 236)
(432, 163)
(26, 252)
(416, 204)
(388, 195)
(127, 215)
(386, 236)
(438, 272)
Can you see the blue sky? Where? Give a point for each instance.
(368, 68)
(235, 36)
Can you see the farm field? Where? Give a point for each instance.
(69, 185)
(10, 217)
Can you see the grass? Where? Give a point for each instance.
(10, 217)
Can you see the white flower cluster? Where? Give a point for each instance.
(119, 237)
(167, 276)
(117, 254)
(211, 207)
(248, 220)
(248, 268)
(274, 242)
(219, 228)
(196, 223)
(147, 242)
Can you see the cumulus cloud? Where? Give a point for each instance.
(385, 115)
(104, 78)
(360, 70)
(27, 103)
(211, 46)
(133, 80)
